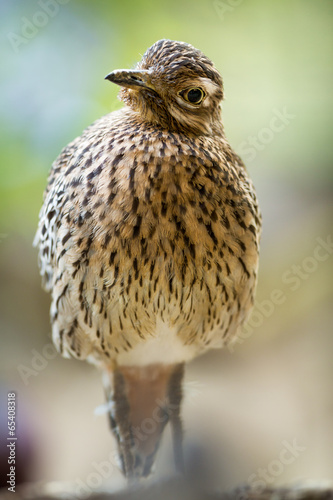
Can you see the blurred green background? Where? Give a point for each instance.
(242, 405)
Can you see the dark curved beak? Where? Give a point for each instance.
(131, 78)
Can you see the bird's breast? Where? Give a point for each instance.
(160, 237)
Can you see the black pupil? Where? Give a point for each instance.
(194, 95)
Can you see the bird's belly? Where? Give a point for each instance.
(164, 347)
(151, 316)
(169, 324)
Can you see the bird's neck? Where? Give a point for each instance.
(167, 122)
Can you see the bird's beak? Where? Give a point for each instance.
(131, 78)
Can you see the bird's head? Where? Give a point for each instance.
(175, 86)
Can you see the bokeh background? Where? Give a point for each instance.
(273, 391)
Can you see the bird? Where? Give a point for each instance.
(148, 242)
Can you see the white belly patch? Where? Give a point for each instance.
(165, 347)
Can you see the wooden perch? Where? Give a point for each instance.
(172, 489)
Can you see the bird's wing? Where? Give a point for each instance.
(50, 214)
(56, 195)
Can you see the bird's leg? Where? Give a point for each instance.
(123, 423)
(175, 395)
(144, 399)
(119, 419)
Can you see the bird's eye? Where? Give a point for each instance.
(194, 95)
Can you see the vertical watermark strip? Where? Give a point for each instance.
(11, 441)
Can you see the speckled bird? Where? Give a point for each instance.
(148, 241)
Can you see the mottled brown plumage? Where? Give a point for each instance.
(148, 240)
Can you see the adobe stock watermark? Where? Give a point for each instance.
(225, 7)
(292, 278)
(264, 477)
(39, 361)
(30, 27)
(100, 471)
(280, 120)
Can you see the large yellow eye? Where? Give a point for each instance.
(194, 95)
